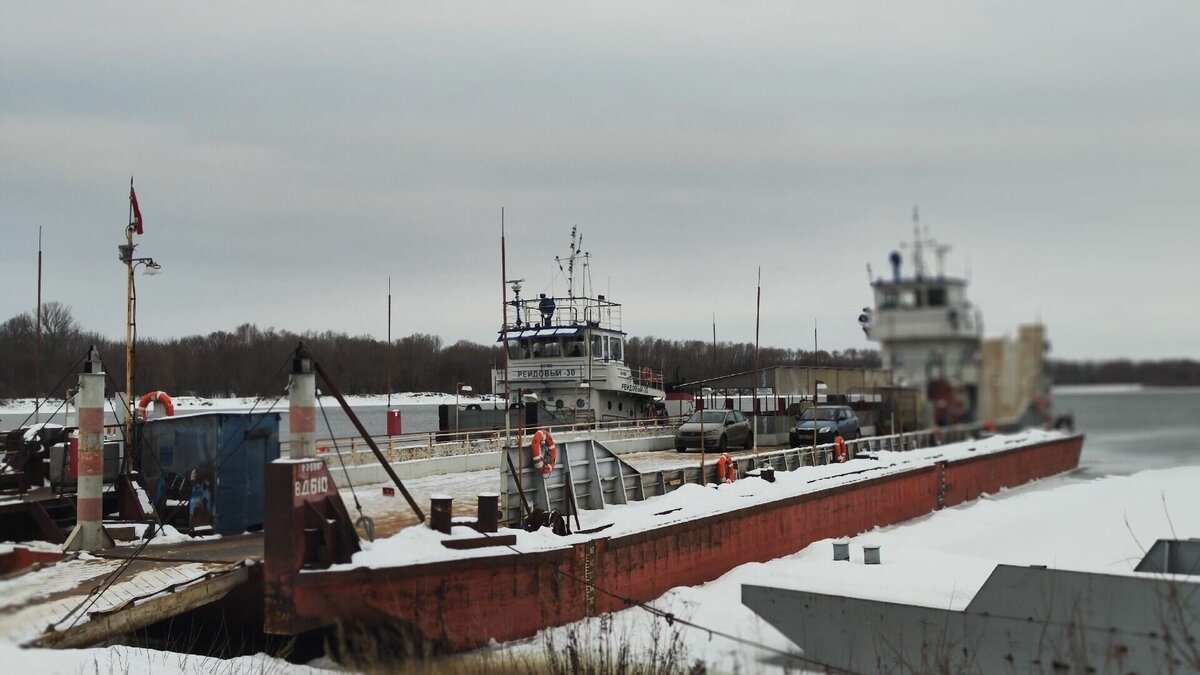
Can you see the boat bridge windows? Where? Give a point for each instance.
(607, 347)
(916, 297)
(555, 344)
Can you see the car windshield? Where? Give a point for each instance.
(822, 414)
(710, 417)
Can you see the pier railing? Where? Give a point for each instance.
(433, 444)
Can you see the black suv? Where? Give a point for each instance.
(831, 421)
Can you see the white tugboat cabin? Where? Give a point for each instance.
(568, 354)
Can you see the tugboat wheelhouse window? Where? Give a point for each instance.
(574, 346)
(937, 297)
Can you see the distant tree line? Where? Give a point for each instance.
(250, 361)
(1166, 373)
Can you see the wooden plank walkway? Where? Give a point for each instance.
(85, 598)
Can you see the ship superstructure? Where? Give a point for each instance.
(568, 353)
(929, 332)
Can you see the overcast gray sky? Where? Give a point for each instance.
(290, 157)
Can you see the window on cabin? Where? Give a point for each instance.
(518, 349)
(547, 347)
(597, 346)
(614, 347)
(574, 346)
(937, 297)
(908, 298)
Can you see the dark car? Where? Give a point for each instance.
(831, 421)
(722, 428)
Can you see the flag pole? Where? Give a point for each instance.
(129, 332)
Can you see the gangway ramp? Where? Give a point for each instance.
(85, 598)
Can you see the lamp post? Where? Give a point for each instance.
(818, 384)
(125, 255)
(459, 387)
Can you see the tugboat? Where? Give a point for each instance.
(567, 354)
(931, 337)
(929, 333)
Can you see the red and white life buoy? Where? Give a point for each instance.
(839, 449)
(726, 469)
(544, 462)
(162, 401)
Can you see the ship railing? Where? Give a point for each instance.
(647, 376)
(524, 314)
(435, 444)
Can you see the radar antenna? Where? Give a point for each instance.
(918, 258)
(576, 251)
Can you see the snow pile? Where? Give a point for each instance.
(940, 560)
(138, 661)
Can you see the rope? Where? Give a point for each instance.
(338, 452)
(70, 371)
(672, 619)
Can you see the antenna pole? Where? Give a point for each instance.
(37, 342)
(504, 329)
(714, 341)
(389, 347)
(754, 407)
(816, 382)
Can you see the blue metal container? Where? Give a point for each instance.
(206, 469)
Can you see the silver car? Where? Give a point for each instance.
(721, 428)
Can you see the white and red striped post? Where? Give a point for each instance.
(302, 407)
(89, 534)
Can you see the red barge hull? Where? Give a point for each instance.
(462, 604)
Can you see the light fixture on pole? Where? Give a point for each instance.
(152, 268)
(459, 387)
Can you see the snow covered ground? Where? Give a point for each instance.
(137, 661)
(940, 560)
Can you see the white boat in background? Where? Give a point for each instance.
(568, 354)
(931, 338)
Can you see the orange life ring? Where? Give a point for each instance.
(726, 469)
(839, 449)
(545, 463)
(161, 399)
(646, 373)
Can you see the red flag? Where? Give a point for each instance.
(137, 213)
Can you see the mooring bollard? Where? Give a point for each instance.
(841, 550)
(871, 554)
(488, 518)
(767, 473)
(440, 508)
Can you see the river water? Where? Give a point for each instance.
(1128, 431)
